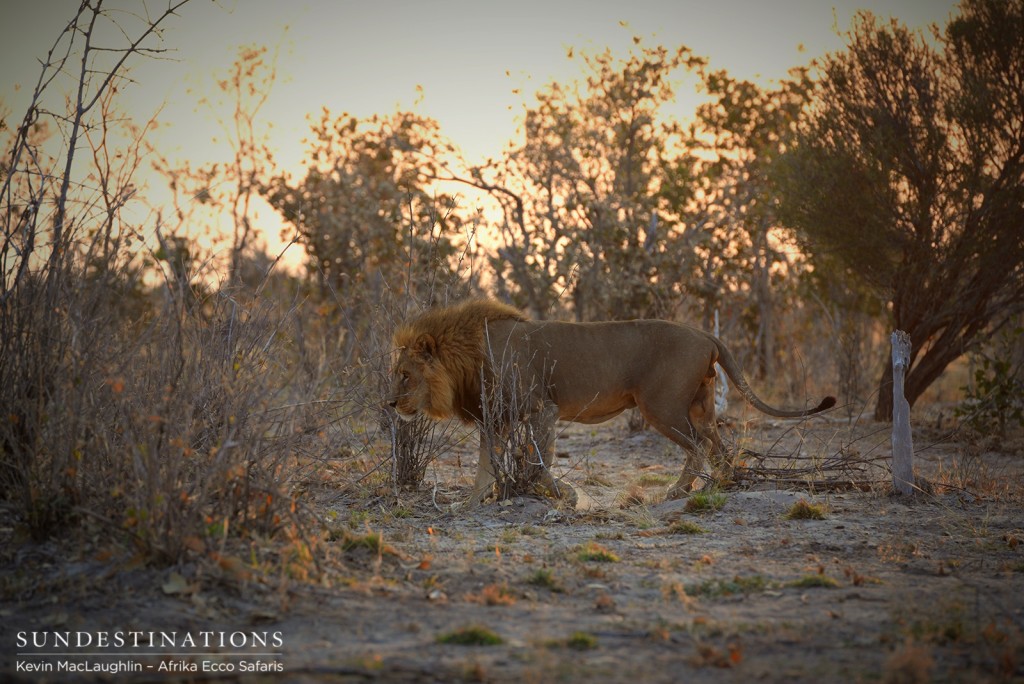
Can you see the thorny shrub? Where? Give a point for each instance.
(510, 422)
(414, 444)
(996, 399)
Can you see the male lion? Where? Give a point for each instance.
(581, 372)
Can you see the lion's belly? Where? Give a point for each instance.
(595, 408)
(591, 418)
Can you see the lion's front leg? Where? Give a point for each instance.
(542, 429)
(483, 484)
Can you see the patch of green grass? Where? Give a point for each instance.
(582, 641)
(655, 480)
(595, 553)
(802, 510)
(705, 502)
(641, 518)
(545, 578)
(357, 519)
(614, 536)
(950, 625)
(686, 527)
(578, 641)
(471, 636)
(814, 581)
(715, 588)
(372, 541)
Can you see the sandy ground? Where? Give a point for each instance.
(631, 588)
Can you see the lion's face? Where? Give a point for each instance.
(420, 383)
(408, 391)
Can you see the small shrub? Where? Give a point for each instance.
(517, 451)
(371, 541)
(814, 582)
(413, 447)
(416, 443)
(581, 641)
(632, 496)
(655, 480)
(912, 663)
(995, 401)
(802, 510)
(546, 579)
(715, 588)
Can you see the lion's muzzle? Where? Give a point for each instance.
(393, 403)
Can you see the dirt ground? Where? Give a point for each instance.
(626, 588)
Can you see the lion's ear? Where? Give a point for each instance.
(425, 346)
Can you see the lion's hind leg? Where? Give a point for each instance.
(695, 431)
(682, 432)
(705, 422)
(697, 452)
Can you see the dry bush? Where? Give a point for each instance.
(51, 369)
(177, 429)
(165, 414)
(216, 434)
(510, 426)
(413, 444)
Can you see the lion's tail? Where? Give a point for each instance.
(735, 373)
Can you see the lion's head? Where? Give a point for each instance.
(440, 354)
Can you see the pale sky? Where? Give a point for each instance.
(468, 57)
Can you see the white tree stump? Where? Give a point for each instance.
(721, 382)
(902, 439)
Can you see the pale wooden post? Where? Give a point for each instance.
(902, 440)
(721, 382)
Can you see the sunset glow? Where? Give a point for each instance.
(472, 67)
